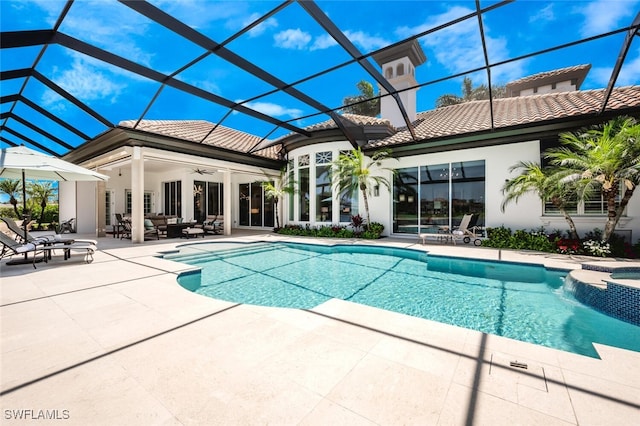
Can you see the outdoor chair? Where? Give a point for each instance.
(124, 227)
(441, 234)
(466, 232)
(19, 235)
(213, 226)
(67, 226)
(11, 247)
(151, 229)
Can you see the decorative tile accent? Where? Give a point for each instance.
(323, 157)
(616, 300)
(303, 160)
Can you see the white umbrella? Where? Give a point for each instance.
(23, 163)
(14, 162)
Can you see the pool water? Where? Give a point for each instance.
(523, 302)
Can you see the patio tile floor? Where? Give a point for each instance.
(120, 342)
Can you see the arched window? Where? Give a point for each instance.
(388, 73)
(400, 70)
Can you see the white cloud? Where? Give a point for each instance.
(544, 15)
(458, 48)
(629, 74)
(86, 82)
(52, 8)
(109, 26)
(605, 15)
(262, 27)
(292, 39)
(366, 41)
(323, 42)
(273, 110)
(297, 39)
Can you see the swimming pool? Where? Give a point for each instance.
(519, 301)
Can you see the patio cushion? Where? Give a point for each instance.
(25, 248)
(148, 224)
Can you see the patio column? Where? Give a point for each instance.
(137, 195)
(226, 181)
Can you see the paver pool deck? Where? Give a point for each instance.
(119, 342)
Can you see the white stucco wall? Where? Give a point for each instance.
(86, 207)
(67, 200)
(525, 214)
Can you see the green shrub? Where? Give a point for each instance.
(536, 240)
(7, 212)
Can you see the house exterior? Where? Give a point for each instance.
(451, 161)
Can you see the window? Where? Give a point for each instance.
(304, 185)
(215, 199)
(172, 197)
(207, 200)
(594, 206)
(427, 197)
(553, 86)
(147, 202)
(324, 196)
(107, 207)
(199, 206)
(400, 70)
(388, 73)
(348, 201)
(291, 197)
(255, 209)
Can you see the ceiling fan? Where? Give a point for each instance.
(202, 171)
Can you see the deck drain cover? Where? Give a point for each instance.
(507, 369)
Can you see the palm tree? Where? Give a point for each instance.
(42, 192)
(11, 187)
(470, 93)
(352, 171)
(356, 104)
(275, 190)
(605, 158)
(548, 184)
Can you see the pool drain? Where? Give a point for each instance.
(516, 364)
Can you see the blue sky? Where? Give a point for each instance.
(292, 46)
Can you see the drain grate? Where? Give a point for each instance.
(517, 364)
(506, 369)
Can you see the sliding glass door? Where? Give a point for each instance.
(432, 196)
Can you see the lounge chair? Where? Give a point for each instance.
(440, 234)
(11, 247)
(41, 239)
(465, 231)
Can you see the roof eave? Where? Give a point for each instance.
(501, 136)
(121, 136)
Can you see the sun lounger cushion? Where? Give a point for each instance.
(24, 248)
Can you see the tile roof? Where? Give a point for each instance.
(551, 74)
(197, 130)
(468, 117)
(361, 120)
(475, 116)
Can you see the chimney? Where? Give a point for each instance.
(398, 67)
